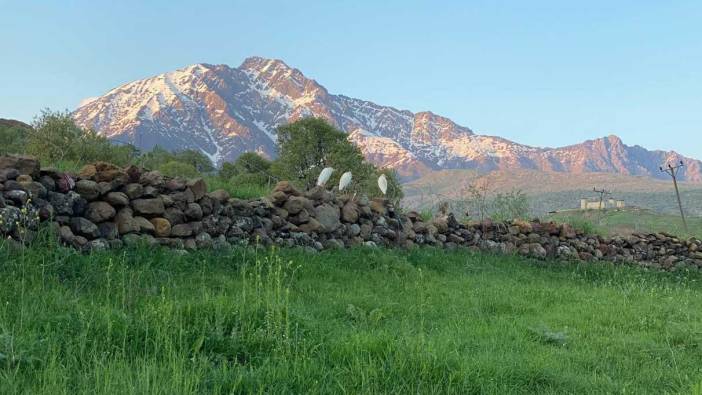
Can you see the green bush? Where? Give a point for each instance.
(511, 205)
(55, 138)
(178, 169)
(307, 146)
(158, 157)
(13, 137)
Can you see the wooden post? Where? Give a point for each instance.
(673, 172)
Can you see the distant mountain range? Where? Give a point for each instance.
(225, 111)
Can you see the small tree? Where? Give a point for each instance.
(55, 137)
(510, 206)
(178, 169)
(249, 168)
(307, 146)
(196, 159)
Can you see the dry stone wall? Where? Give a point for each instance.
(105, 207)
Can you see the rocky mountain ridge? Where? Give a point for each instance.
(225, 111)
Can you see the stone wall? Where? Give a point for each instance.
(105, 206)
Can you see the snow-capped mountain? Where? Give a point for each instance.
(225, 111)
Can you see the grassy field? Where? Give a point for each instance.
(360, 321)
(627, 221)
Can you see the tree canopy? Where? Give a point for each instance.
(307, 146)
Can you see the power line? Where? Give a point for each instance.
(673, 172)
(602, 192)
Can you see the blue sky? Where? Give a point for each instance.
(541, 73)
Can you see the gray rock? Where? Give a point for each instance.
(182, 230)
(145, 226)
(18, 197)
(23, 164)
(99, 212)
(198, 187)
(9, 217)
(328, 216)
(174, 215)
(87, 189)
(134, 190)
(193, 212)
(148, 206)
(119, 199)
(84, 227)
(108, 230)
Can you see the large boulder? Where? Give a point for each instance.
(108, 230)
(193, 211)
(152, 178)
(182, 230)
(99, 212)
(125, 221)
(287, 188)
(148, 206)
(84, 227)
(162, 227)
(87, 172)
(219, 195)
(350, 213)
(119, 199)
(8, 174)
(145, 226)
(378, 205)
(9, 218)
(295, 204)
(174, 215)
(198, 187)
(134, 190)
(63, 202)
(88, 189)
(24, 164)
(328, 216)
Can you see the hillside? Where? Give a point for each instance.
(225, 111)
(13, 123)
(12, 136)
(554, 190)
(630, 220)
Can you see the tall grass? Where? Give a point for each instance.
(241, 191)
(144, 321)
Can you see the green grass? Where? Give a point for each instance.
(627, 221)
(356, 321)
(241, 191)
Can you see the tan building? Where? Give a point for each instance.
(594, 204)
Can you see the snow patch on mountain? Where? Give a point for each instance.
(225, 111)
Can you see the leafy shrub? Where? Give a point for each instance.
(55, 137)
(307, 146)
(511, 205)
(12, 137)
(159, 157)
(175, 169)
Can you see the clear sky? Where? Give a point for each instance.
(541, 73)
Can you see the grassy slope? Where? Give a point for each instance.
(358, 321)
(627, 221)
(555, 191)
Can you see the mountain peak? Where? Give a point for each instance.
(225, 111)
(614, 139)
(260, 65)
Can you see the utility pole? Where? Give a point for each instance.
(602, 192)
(673, 172)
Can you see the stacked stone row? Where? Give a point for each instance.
(105, 206)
